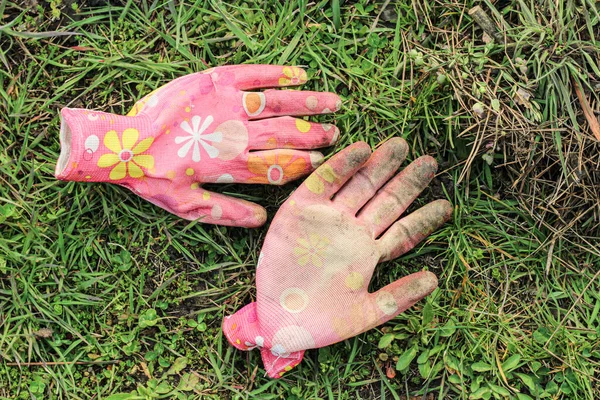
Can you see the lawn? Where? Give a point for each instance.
(106, 296)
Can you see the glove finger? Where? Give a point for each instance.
(380, 167)
(259, 76)
(395, 197)
(331, 176)
(402, 294)
(278, 103)
(277, 167)
(288, 132)
(276, 365)
(405, 234)
(211, 208)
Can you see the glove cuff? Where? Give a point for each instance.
(242, 329)
(84, 140)
(276, 365)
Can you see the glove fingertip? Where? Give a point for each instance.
(257, 219)
(429, 281)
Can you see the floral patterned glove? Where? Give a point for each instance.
(320, 252)
(202, 128)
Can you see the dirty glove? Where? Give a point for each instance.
(321, 250)
(202, 128)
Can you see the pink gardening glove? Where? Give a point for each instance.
(202, 128)
(320, 252)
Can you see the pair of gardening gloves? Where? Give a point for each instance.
(321, 249)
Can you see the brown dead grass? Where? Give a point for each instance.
(524, 104)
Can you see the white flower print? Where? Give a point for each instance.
(197, 138)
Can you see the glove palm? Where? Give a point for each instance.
(321, 251)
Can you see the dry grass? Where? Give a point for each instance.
(527, 118)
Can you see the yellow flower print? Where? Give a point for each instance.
(127, 156)
(311, 250)
(315, 184)
(292, 76)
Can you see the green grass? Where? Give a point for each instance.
(118, 296)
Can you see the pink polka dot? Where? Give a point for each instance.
(88, 155)
(206, 86)
(226, 78)
(251, 316)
